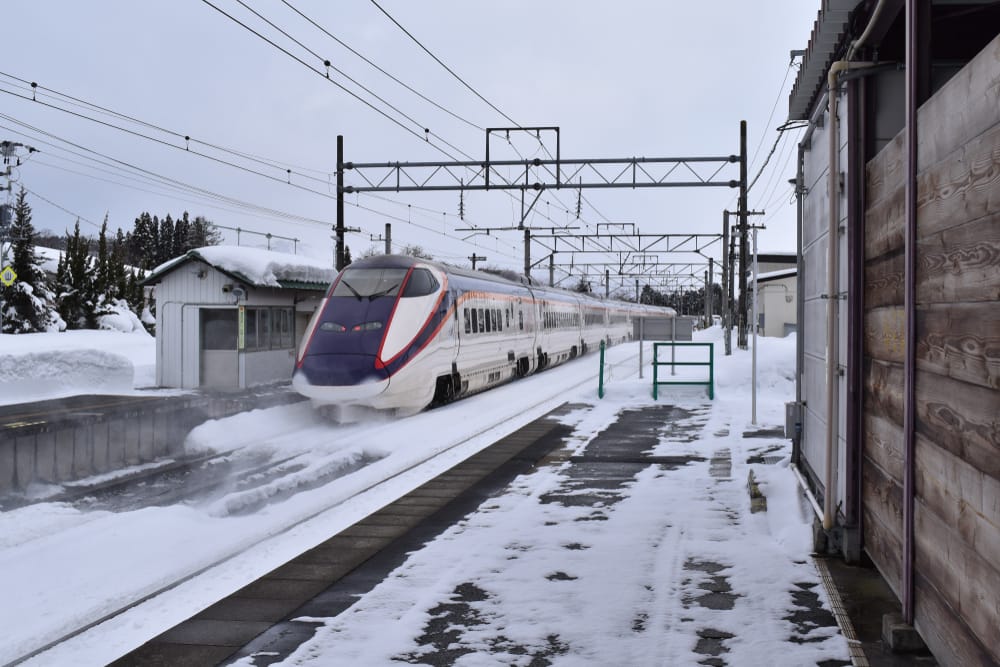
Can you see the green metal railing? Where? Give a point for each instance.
(710, 363)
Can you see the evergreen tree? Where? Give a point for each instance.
(347, 255)
(75, 297)
(153, 245)
(28, 303)
(102, 269)
(182, 235)
(141, 245)
(203, 233)
(118, 273)
(165, 243)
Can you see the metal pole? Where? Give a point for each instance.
(727, 292)
(743, 211)
(637, 290)
(388, 238)
(673, 344)
(607, 283)
(710, 298)
(527, 254)
(552, 270)
(340, 203)
(753, 371)
(642, 340)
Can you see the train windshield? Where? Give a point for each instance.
(369, 284)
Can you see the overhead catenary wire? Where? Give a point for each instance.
(380, 69)
(323, 75)
(440, 62)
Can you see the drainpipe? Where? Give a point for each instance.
(833, 272)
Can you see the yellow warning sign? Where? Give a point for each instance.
(7, 276)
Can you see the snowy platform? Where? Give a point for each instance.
(640, 532)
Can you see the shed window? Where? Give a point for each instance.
(218, 328)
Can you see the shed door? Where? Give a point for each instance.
(219, 354)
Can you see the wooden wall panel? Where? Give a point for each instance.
(964, 186)
(884, 224)
(884, 280)
(943, 629)
(885, 172)
(961, 263)
(883, 523)
(961, 418)
(884, 333)
(953, 490)
(967, 583)
(961, 341)
(957, 459)
(964, 108)
(884, 445)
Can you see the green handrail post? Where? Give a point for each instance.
(656, 347)
(600, 382)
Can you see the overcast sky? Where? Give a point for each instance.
(622, 79)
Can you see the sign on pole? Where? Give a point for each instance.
(8, 276)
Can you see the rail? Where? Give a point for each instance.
(673, 364)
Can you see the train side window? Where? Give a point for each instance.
(486, 314)
(468, 324)
(506, 312)
(499, 319)
(520, 320)
(475, 322)
(421, 283)
(482, 320)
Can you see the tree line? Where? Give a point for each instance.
(93, 277)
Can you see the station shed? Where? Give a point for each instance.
(776, 306)
(231, 317)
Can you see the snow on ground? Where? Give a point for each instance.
(38, 366)
(62, 566)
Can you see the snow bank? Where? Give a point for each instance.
(52, 365)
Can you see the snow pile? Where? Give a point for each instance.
(57, 364)
(120, 318)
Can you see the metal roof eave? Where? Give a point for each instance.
(829, 33)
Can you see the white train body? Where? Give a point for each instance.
(400, 333)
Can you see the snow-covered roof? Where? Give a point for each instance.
(775, 275)
(255, 266)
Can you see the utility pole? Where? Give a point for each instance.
(742, 212)
(8, 150)
(727, 295)
(339, 230)
(527, 254)
(476, 258)
(607, 283)
(388, 238)
(552, 269)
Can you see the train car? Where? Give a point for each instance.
(398, 333)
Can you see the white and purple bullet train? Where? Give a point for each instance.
(400, 333)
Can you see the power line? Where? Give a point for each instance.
(439, 61)
(315, 71)
(359, 55)
(61, 208)
(75, 101)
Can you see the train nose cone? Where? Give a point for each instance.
(341, 370)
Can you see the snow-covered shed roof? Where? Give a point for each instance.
(776, 275)
(255, 266)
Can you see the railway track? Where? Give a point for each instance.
(358, 447)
